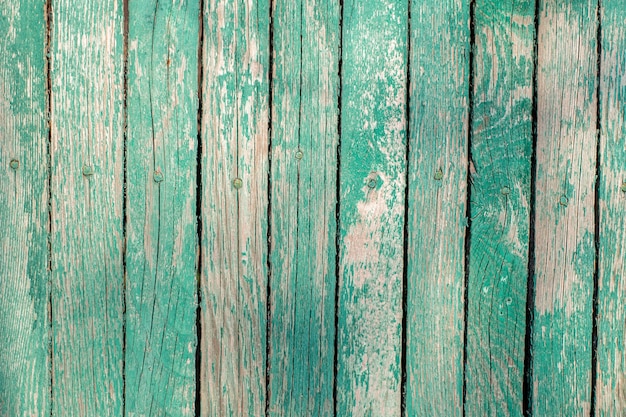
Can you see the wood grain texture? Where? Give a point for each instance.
(501, 151)
(611, 356)
(87, 191)
(372, 192)
(24, 289)
(161, 208)
(234, 207)
(303, 205)
(564, 220)
(438, 123)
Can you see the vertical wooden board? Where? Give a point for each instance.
(234, 207)
(501, 152)
(564, 220)
(303, 217)
(161, 207)
(86, 191)
(24, 324)
(611, 355)
(372, 192)
(438, 122)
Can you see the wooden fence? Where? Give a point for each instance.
(312, 208)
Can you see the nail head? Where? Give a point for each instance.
(439, 174)
(563, 201)
(237, 183)
(14, 164)
(505, 190)
(158, 176)
(371, 183)
(87, 170)
(299, 155)
(623, 187)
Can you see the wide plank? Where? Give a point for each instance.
(235, 141)
(303, 207)
(611, 355)
(564, 204)
(161, 227)
(24, 285)
(438, 124)
(501, 153)
(87, 201)
(372, 207)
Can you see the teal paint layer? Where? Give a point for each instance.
(161, 227)
(303, 217)
(24, 285)
(500, 206)
(611, 356)
(372, 193)
(235, 141)
(564, 219)
(87, 191)
(438, 123)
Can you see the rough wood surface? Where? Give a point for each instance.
(611, 365)
(564, 220)
(436, 213)
(234, 207)
(24, 322)
(161, 208)
(87, 191)
(501, 152)
(372, 196)
(303, 217)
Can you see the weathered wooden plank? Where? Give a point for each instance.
(161, 206)
(564, 221)
(303, 192)
(87, 191)
(611, 355)
(372, 196)
(234, 207)
(501, 152)
(438, 123)
(24, 324)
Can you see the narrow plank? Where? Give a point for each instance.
(235, 165)
(161, 219)
(303, 218)
(611, 355)
(87, 191)
(438, 123)
(24, 290)
(501, 151)
(372, 196)
(564, 221)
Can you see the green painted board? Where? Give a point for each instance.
(303, 207)
(372, 195)
(24, 289)
(87, 202)
(564, 208)
(235, 145)
(611, 355)
(501, 152)
(438, 123)
(161, 208)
